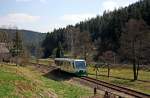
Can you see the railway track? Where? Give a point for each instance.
(114, 89)
(119, 91)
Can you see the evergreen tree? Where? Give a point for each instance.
(59, 51)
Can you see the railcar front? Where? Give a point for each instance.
(80, 67)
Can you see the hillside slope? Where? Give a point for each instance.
(27, 82)
(31, 39)
(27, 35)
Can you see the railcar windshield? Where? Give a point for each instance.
(80, 64)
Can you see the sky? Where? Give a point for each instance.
(45, 15)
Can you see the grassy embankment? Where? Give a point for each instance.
(124, 76)
(26, 82)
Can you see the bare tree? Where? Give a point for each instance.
(135, 43)
(38, 54)
(84, 45)
(79, 43)
(72, 40)
(4, 46)
(17, 50)
(107, 58)
(25, 57)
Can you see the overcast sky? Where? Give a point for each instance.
(45, 15)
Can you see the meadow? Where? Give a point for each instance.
(123, 76)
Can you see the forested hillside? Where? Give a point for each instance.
(105, 31)
(30, 39)
(28, 36)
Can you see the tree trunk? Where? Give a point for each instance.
(134, 60)
(96, 73)
(139, 59)
(108, 70)
(137, 70)
(84, 55)
(134, 71)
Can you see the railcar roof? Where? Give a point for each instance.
(68, 59)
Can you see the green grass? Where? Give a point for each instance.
(124, 77)
(7, 82)
(66, 90)
(25, 82)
